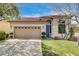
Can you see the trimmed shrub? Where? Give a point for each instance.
(43, 35)
(71, 30)
(7, 35)
(2, 35)
(47, 51)
(11, 35)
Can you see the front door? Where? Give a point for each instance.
(48, 29)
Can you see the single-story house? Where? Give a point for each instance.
(32, 27)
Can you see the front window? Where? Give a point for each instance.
(61, 27)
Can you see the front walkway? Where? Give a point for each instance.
(19, 47)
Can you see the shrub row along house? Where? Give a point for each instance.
(32, 27)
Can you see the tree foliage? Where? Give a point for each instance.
(70, 9)
(75, 27)
(2, 35)
(9, 11)
(71, 31)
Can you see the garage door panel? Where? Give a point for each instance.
(27, 32)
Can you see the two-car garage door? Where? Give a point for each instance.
(27, 32)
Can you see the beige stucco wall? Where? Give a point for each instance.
(55, 29)
(5, 26)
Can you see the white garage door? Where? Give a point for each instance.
(27, 32)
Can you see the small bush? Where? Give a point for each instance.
(11, 37)
(43, 35)
(71, 30)
(47, 51)
(7, 35)
(11, 33)
(2, 35)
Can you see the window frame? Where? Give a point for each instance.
(61, 27)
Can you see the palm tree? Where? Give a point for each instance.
(9, 11)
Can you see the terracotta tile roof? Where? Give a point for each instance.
(28, 19)
(55, 16)
(45, 18)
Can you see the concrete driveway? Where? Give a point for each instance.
(20, 47)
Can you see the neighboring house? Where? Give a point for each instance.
(33, 27)
(5, 26)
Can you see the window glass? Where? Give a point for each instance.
(61, 28)
(38, 27)
(25, 27)
(19, 27)
(35, 27)
(31, 27)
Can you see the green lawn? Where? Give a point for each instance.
(63, 47)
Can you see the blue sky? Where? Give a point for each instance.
(37, 9)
